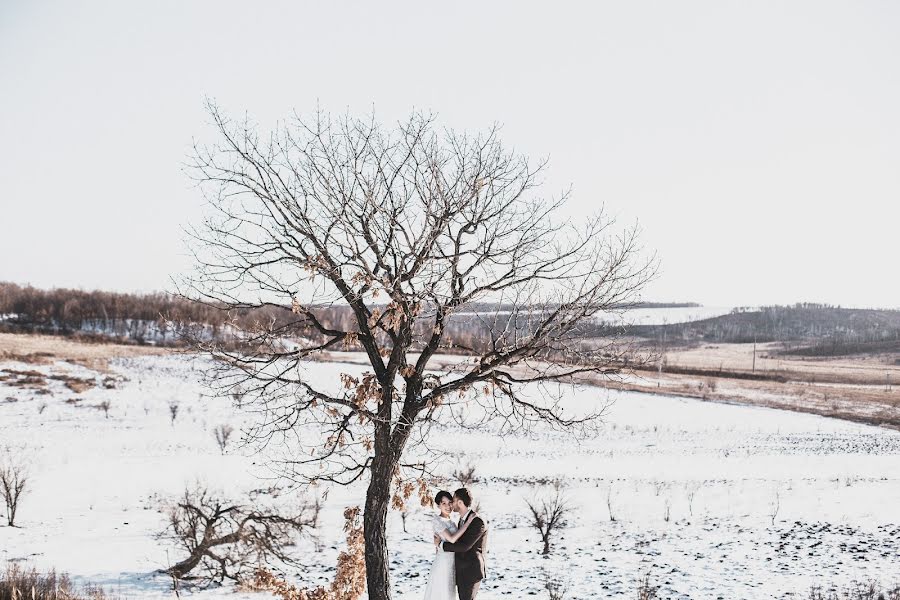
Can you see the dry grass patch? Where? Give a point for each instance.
(36, 380)
(74, 383)
(45, 349)
(23, 584)
(23, 379)
(738, 359)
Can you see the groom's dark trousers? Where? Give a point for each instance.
(469, 551)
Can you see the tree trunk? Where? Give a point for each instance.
(378, 579)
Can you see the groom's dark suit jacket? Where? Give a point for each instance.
(469, 550)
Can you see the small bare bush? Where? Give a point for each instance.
(775, 506)
(173, 411)
(609, 496)
(465, 475)
(658, 487)
(557, 587)
(404, 515)
(692, 489)
(645, 590)
(223, 434)
(548, 511)
(13, 483)
(104, 406)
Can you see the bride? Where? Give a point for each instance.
(442, 579)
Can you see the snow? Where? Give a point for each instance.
(96, 486)
(664, 316)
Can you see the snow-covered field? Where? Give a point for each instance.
(96, 483)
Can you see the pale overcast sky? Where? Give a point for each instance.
(758, 143)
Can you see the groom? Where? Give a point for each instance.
(468, 548)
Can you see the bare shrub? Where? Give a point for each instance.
(173, 410)
(645, 590)
(224, 539)
(692, 489)
(612, 516)
(223, 433)
(316, 508)
(711, 384)
(13, 482)
(104, 406)
(404, 515)
(775, 506)
(237, 395)
(465, 475)
(549, 511)
(556, 586)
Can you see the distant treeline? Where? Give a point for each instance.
(166, 319)
(136, 318)
(804, 329)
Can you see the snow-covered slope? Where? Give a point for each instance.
(720, 471)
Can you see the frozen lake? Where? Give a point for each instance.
(709, 499)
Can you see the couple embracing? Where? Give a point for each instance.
(458, 564)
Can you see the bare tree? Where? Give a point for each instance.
(13, 482)
(548, 514)
(224, 539)
(408, 229)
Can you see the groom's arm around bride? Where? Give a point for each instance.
(470, 568)
(471, 538)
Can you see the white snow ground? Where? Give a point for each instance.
(93, 506)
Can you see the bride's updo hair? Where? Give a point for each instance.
(441, 495)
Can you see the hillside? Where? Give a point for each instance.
(802, 329)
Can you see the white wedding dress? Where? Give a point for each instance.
(442, 579)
